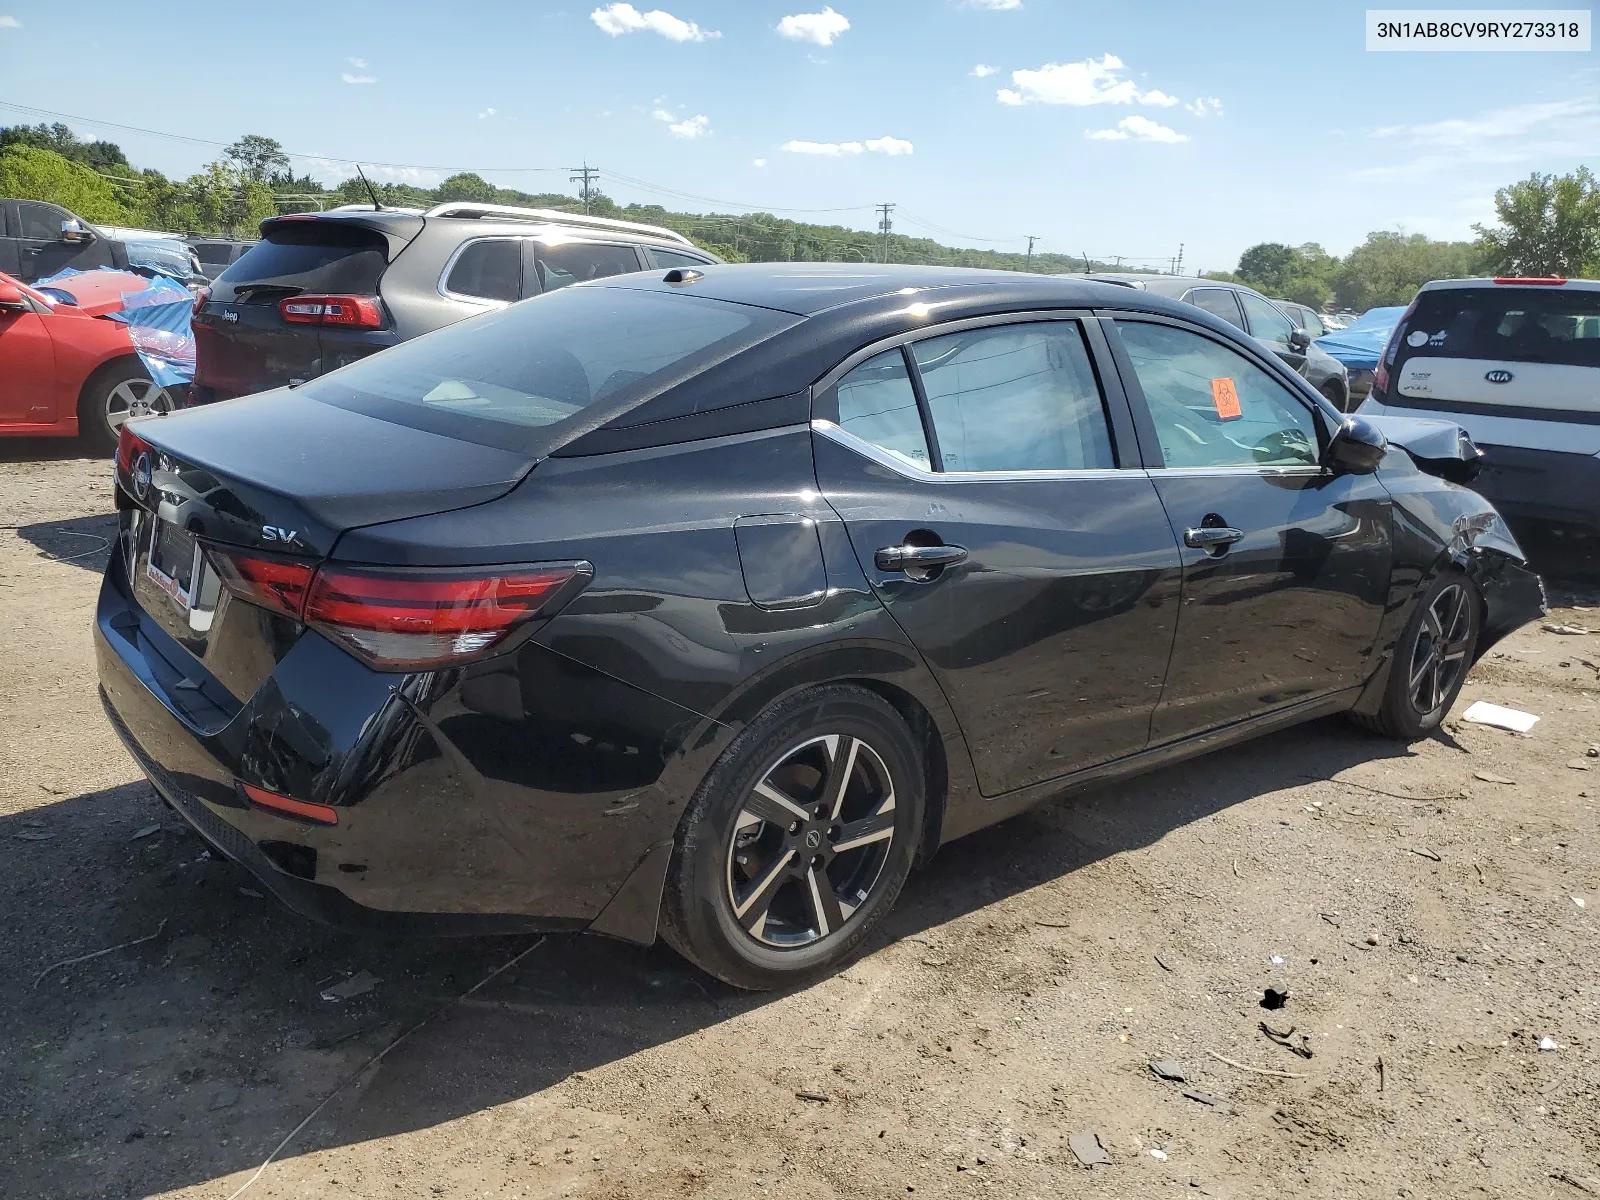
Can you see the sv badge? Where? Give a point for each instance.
(276, 533)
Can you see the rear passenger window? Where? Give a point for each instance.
(1015, 398)
(1213, 407)
(1219, 302)
(489, 270)
(1266, 322)
(575, 262)
(671, 258)
(877, 405)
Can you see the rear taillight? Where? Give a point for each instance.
(404, 620)
(1380, 373)
(276, 584)
(1536, 280)
(129, 446)
(351, 312)
(200, 297)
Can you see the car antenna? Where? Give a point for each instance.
(376, 207)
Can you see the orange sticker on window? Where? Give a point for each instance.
(1226, 397)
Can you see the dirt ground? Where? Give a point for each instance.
(1431, 910)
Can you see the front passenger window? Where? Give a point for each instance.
(1212, 406)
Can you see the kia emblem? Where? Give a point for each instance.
(141, 476)
(1499, 376)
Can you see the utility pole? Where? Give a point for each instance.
(585, 175)
(1118, 257)
(884, 226)
(1179, 269)
(1031, 240)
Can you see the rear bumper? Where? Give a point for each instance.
(463, 808)
(1546, 486)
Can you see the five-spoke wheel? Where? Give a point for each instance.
(1431, 659)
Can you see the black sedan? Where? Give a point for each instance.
(708, 603)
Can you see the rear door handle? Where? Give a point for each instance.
(915, 560)
(1213, 540)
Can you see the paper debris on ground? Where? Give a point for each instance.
(358, 984)
(1481, 712)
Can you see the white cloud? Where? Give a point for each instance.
(995, 5)
(760, 162)
(688, 128)
(359, 64)
(1141, 129)
(820, 28)
(487, 113)
(1092, 81)
(1498, 138)
(983, 71)
(349, 78)
(618, 19)
(10, 23)
(828, 149)
(1205, 106)
(893, 147)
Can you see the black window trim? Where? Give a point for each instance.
(1323, 417)
(1125, 443)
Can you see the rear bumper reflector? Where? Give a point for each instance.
(320, 814)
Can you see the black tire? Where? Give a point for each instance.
(1337, 396)
(118, 390)
(1431, 660)
(732, 841)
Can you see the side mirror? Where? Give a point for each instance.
(1299, 339)
(11, 297)
(73, 232)
(1357, 447)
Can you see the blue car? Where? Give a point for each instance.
(1359, 344)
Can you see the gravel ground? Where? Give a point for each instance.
(1431, 911)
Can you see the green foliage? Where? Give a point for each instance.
(1388, 268)
(97, 156)
(257, 158)
(30, 173)
(1549, 225)
(467, 186)
(1267, 266)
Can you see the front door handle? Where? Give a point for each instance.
(1212, 539)
(919, 562)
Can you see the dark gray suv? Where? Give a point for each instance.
(1261, 318)
(320, 290)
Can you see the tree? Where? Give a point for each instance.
(1549, 225)
(256, 158)
(99, 156)
(466, 186)
(1267, 266)
(1389, 267)
(29, 173)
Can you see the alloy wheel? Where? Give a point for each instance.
(1439, 656)
(810, 841)
(134, 398)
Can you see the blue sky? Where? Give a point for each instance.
(1116, 129)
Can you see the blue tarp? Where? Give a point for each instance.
(1359, 344)
(157, 317)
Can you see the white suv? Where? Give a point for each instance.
(1516, 363)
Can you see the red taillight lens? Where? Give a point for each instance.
(408, 620)
(129, 446)
(1538, 280)
(274, 584)
(200, 298)
(322, 814)
(351, 312)
(399, 620)
(1380, 373)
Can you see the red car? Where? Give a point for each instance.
(64, 372)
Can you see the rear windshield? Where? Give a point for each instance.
(1507, 324)
(316, 256)
(545, 361)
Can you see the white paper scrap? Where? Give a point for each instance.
(1483, 713)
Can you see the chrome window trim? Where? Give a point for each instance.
(883, 458)
(1308, 471)
(484, 302)
(939, 329)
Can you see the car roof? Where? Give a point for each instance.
(1543, 285)
(809, 289)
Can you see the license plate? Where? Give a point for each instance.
(174, 563)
